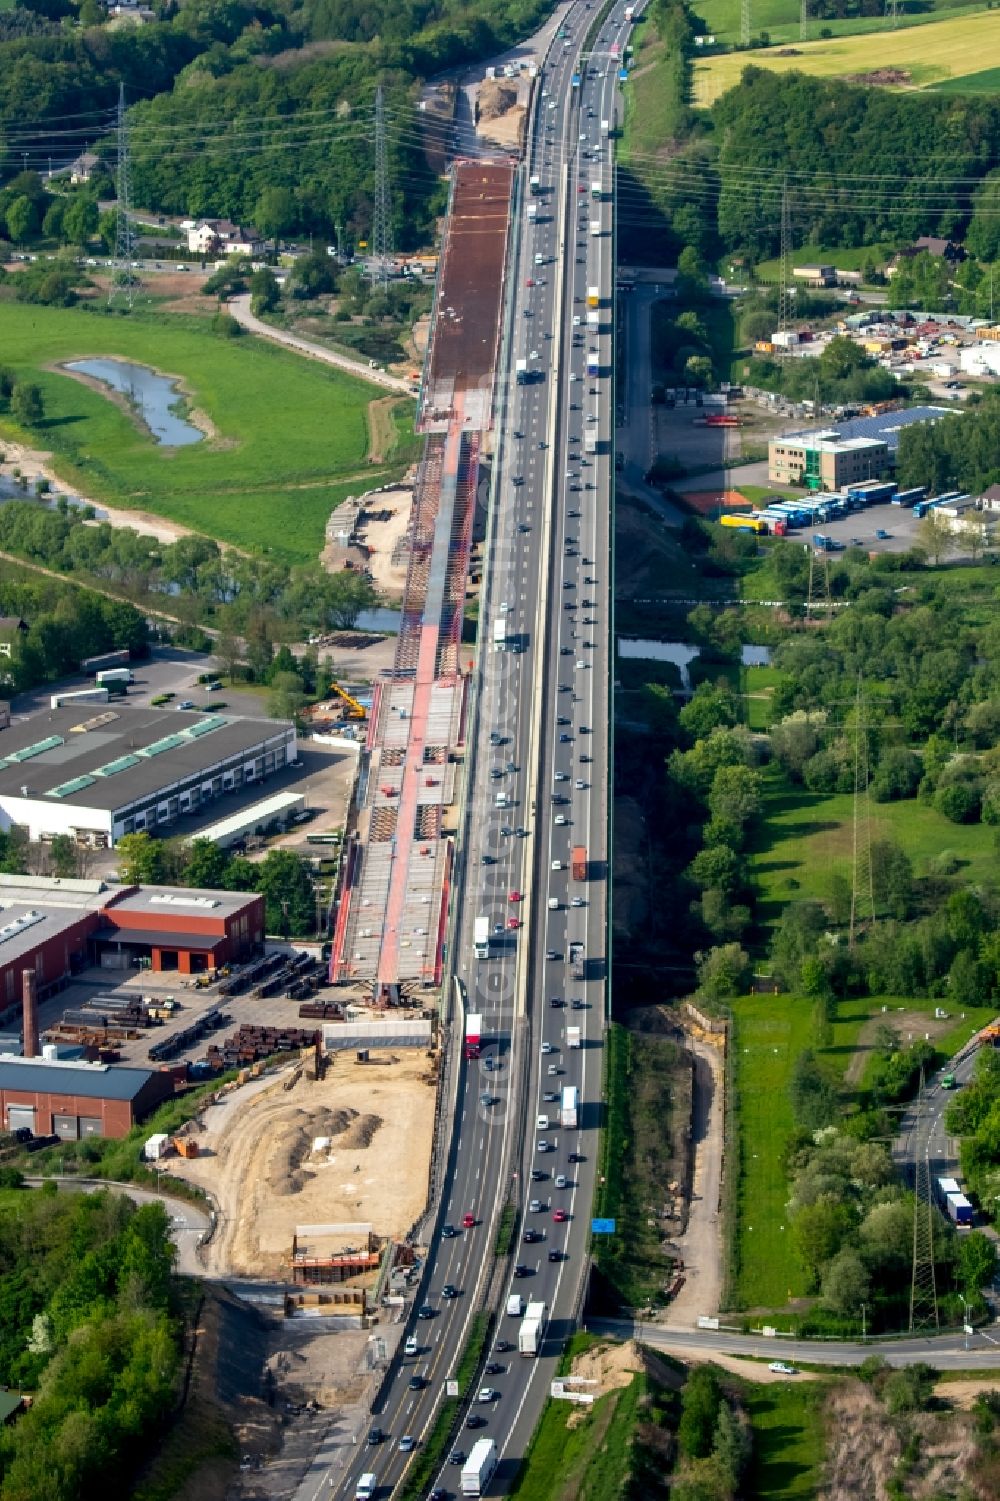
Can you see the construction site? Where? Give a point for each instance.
(393, 898)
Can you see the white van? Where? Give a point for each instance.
(502, 800)
(553, 904)
(365, 1487)
(515, 1306)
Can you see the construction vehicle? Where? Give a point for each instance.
(354, 710)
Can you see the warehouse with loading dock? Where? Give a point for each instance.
(73, 1099)
(126, 770)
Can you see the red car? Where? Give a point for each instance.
(530, 282)
(514, 896)
(468, 1221)
(513, 922)
(559, 1215)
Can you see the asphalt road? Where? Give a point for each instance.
(548, 577)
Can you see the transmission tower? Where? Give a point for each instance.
(745, 23)
(124, 281)
(804, 21)
(784, 292)
(381, 217)
(923, 1286)
(862, 885)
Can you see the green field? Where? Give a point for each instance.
(805, 837)
(781, 19)
(290, 440)
(845, 259)
(987, 82)
(582, 1454)
(787, 1441)
(928, 54)
(769, 1032)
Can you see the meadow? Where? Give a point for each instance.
(781, 19)
(290, 437)
(930, 54)
(787, 1441)
(804, 837)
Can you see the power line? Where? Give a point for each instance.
(124, 282)
(923, 1282)
(745, 23)
(382, 214)
(862, 882)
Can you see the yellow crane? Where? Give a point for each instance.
(354, 710)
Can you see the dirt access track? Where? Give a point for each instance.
(258, 1156)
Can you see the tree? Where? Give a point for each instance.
(935, 536)
(53, 221)
(724, 972)
(813, 1096)
(892, 877)
(710, 707)
(229, 653)
(732, 1445)
(265, 294)
(80, 222)
(821, 1229)
(65, 856)
(26, 404)
(700, 1403)
(846, 1283)
(275, 213)
(140, 859)
(977, 1261)
(107, 228)
(206, 864)
(735, 794)
(287, 698)
(698, 370)
(21, 220)
(288, 891)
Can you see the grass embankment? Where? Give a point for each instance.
(930, 54)
(290, 437)
(647, 1095)
(845, 258)
(787, 1441)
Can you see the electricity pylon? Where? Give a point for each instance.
(124, 281)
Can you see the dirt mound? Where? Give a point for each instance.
(881, 76)
(611, 1366)
(788, 52)
(496, 99)
(285, 1175)
(361, 1134)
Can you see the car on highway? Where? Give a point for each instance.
(542, 1146)
(448, 1232)
(555, 1255)
(542, 1123)
(468, 1221)
(448, 1291)
(560, 1180)
(522, 1271)
(782, 1368)
(560, 776)
(547, 1047)
(494, 1368)
(577, 901)
(515, 896)
(410, 1348)
(416, 1383)
(563, 739)
(487, 1394)
(576, 1157)
(535, 1206)
(513, 922)
(559, 1215)
(560, 818)
(550, 1097)
(425, 1311)
(576, 1004)
(407, 1443)
(375, 1436)
(538, 1175)
(456, 1457)
(502, 1346)
(552, 1070)
(556, 1001)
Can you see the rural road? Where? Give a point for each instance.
(700, 1246)
(240, 309)
(946, 1352)
(188, 1223)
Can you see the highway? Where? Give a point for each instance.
(541, 733)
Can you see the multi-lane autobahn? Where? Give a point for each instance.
(538, 785)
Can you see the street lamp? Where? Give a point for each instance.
(864, 1323)
(965, 1320)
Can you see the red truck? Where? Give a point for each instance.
(578, 862)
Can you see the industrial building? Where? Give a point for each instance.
(53, 929)
(53, 1097)
(857, 449)
(124, 770)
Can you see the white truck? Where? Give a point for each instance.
(477, 1472)
(568, 1115)
(590, 440)
(500, 633)
(79, 696)
(595, 228)
(532, 212)
(573, 1037)
(481, 938)
(529, 1336)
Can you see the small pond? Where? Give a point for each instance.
(677, 652)
(154, 398)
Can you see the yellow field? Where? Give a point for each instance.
(928, 54)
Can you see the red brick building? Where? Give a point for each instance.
(71, 1099)
(184, 930)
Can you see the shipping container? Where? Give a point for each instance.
(90, 666)
(568, 1108)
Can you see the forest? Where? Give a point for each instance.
(88, 1324)
(243, 108)
(65, 624)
